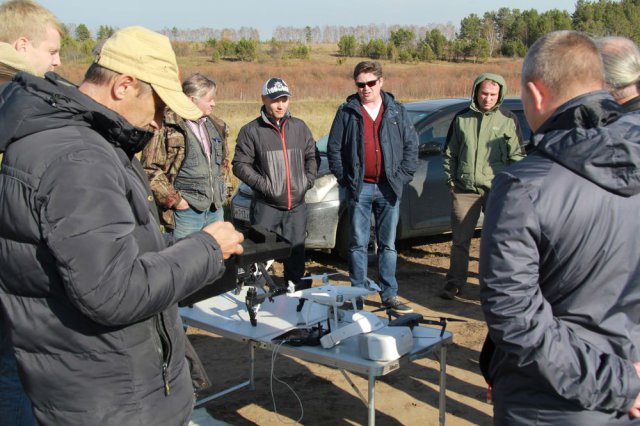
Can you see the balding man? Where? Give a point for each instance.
(621, 59)
(559, 257)
(87, 284)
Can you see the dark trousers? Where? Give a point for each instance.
(465, 212)
(292, 226)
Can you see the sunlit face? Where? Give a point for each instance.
(43, 55)
(368, 87)
(205, 103)
(487, 95)
(276, 108)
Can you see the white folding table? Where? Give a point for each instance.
(226, 315)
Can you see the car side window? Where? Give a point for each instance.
(433, 137)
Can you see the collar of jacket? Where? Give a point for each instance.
(270, 121)
(632, 104)
(590, 110)
(591, 136)
(388, 100)
(37, 104)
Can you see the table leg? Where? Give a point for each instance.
(443, 384)
(372, 400)
(252, 366)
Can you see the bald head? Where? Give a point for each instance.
(621, 59)
(558, 67)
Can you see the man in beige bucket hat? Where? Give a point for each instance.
(88, 285)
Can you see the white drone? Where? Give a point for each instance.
(334, 296)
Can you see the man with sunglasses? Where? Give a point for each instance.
(373, 152)
(482, 141)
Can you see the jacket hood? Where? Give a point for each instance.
(592, 137)
(493, 77)
(31, 105)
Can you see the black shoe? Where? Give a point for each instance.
(394, 304)
(450, 292)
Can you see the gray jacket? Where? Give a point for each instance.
(279, 164)
(89, 289)
(200, 179)
(560, 265)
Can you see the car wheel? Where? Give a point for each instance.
(343, 236)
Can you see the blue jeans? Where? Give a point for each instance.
(15, 407)
(382, 201)
(190, 220)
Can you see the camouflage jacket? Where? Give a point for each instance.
(162, 159)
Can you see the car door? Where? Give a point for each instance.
(427, 197)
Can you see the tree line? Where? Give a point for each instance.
(505, 32)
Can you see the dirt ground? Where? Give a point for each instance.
(408, 396)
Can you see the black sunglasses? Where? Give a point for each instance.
(361, 84)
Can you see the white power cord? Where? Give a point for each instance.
(274, 355)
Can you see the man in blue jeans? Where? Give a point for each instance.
(373, 152)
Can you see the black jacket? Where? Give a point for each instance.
(398, 141)
(279, 164)
(560, 266)
(87, 285)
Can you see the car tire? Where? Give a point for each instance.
(343, 236)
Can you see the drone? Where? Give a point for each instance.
(412, 320)
(256, 276)
(333, 296)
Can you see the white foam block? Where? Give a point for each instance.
(386, 344)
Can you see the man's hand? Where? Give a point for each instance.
(182, 205)
(227, 237)
(635, 410)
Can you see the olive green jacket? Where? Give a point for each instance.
(480, 145)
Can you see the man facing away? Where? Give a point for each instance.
(483, 140)
(29, 41)
(276, 156)
(621, 59)
(559, 254)
(87, 285)
(373, 152)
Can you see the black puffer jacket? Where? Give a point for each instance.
(87, 285)
(279, 164)
(560, 268)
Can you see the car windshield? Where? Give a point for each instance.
(418, 115)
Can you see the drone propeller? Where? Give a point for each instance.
(324, 277)
(449, 319)
(414, 319)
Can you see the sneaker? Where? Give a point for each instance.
(394, 304)
(450, 292)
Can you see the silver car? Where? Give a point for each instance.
(425, 208)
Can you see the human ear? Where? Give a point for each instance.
(537, 95)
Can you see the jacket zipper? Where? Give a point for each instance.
(286, 160)
(165, 350)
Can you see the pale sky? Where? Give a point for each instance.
(267, 15)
